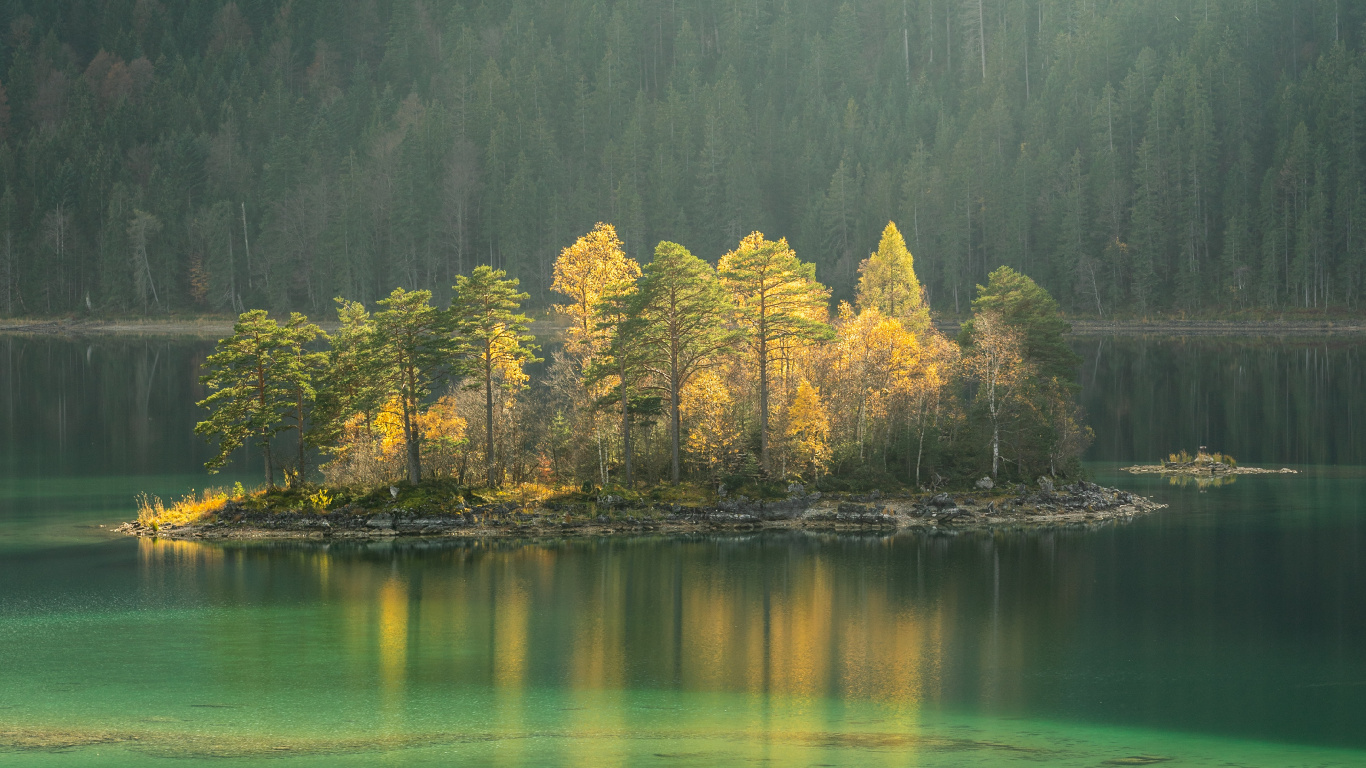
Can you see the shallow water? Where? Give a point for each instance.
(1228, 629)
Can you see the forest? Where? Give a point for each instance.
(730, 375)
(1134, 157)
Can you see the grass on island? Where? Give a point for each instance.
(1201, 457)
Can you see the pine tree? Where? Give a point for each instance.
(253, 382)
(484, 313)
(410, 353)
(302, 370)
(681, 316)
(778, 301)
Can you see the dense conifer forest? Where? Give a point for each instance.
(1132, 156)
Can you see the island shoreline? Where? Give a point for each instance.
(1080, 504)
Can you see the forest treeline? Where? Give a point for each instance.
(670, 370)
(1134, 156)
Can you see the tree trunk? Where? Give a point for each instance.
(411, 443)
(625, 427)
(763, 401)
(995, 448)
(299, 415)
(488, 412)
(270, 466)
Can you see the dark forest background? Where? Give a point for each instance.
(1133, 156)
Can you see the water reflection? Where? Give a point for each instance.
(1265, 401)
(595, 616)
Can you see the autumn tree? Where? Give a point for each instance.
(808, 429)
(778, 301)
(410, 353)
(681, 317)
(597, 276)
(995, 363)
(887, 282)
(583, 272)
(714, 438)
(879, 364)
(496, 345)
(252, 380)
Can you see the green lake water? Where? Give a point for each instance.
(1228, 629)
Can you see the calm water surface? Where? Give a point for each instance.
(1229, 629)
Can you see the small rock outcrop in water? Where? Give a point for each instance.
(1081, 503)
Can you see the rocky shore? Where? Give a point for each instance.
(1081, 503)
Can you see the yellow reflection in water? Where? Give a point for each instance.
(393, 642)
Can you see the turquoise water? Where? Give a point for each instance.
(1228, 629)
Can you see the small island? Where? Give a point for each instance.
(435, 510)
(1203, 465)
(680, 397)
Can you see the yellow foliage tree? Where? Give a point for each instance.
(996, 362)
(808, 429)
(713, 444)
(443, 435)
(583, 272)
(940, 358)
(370, 449)
(887, 282)
(879, 363)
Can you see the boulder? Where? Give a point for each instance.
(1045, 485)
(986, 484)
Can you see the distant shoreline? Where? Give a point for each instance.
(217, 327)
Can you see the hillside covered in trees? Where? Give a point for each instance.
(1132, 156)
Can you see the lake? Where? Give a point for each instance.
(1227, 629)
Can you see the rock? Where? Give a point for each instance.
(942, 501)
(721, 491)
(610, 500)
(875, 495)
(1045, 485)
(796, 489)
(985, 484)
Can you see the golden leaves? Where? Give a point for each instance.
(584, 272)
(808, 429)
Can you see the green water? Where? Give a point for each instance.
(1229, 629)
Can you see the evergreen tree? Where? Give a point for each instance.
(1021, 304)
(254, 377)
(410, 353)
(680, 315)
(778, 301)
(494, 339)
